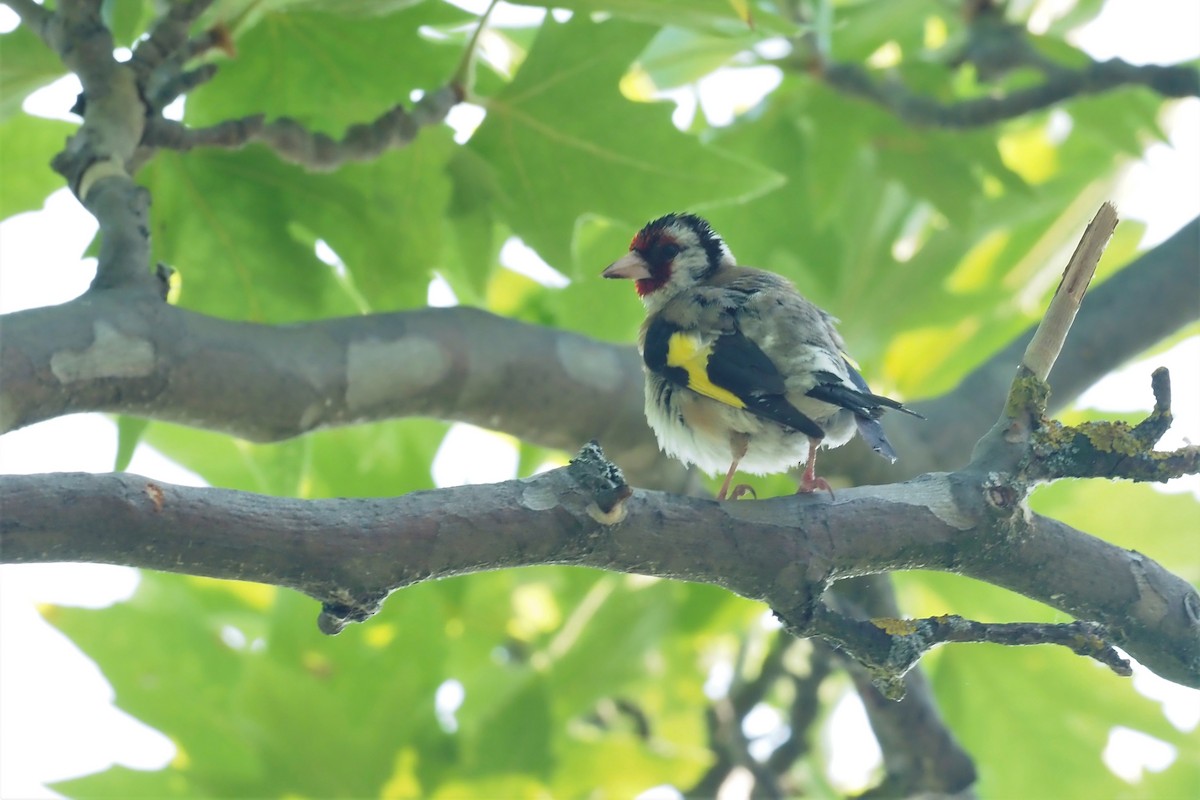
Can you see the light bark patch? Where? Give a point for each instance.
(379, 372)
(112, 354)
(932, 492)
(587, 363)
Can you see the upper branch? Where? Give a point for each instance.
(995, 47)
(1062, 85)
(142, 356)
(292, 142)
(95, 161)
(122, 106)
(167, 39)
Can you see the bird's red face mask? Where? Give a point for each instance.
(648, 262)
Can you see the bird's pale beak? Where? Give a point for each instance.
(631, 265)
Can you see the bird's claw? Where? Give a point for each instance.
(741, 490)
(811, 484)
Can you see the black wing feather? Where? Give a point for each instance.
(740, 365)
(866, 405)
(737, 365)
(862, 401)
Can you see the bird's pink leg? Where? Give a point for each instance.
(739, 443)
(809, 482)
(728, 479)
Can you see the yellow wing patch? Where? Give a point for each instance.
(685, 351)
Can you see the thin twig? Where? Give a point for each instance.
(888, 647)
(464, 76)
(293, 142)
(1062, 84)
(168, 36)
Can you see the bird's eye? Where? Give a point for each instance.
(665, 252)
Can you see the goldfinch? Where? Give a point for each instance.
(741, 370)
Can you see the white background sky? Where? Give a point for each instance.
(58, 720)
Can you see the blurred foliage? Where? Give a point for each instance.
(935, 247)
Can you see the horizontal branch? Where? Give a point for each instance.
(1111, 448)
(890, 647)
(350, 553)
(132, 354)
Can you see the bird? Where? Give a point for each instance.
(741, 370)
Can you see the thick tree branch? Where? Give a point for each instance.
(350, 553)
(110, 351)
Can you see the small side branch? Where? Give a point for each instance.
(292, 142)
(168, 37)
(1006, 445)
(1112, 449)
(890, 647)
(161, 59)
(1037, 448)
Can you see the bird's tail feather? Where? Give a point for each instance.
(872, 433)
